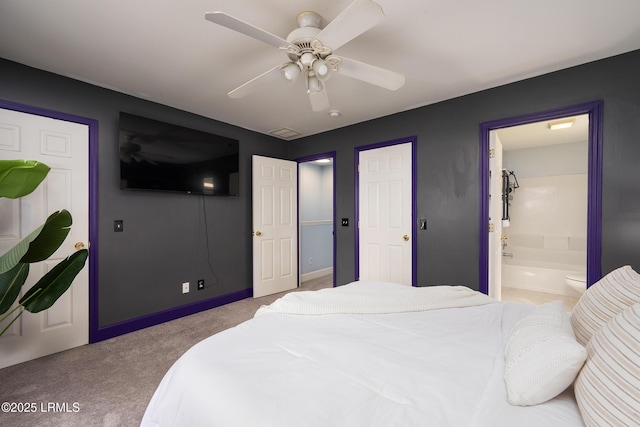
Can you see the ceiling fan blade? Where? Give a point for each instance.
(251, 85)
(245, 28)
(319, 100)
(357, 18)
(371, 74)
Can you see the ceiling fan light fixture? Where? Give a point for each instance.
(320, 67)
(307, 59)
(291, 71)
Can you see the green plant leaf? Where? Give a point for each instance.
(12, 257)
(40, 244)
(10, 284)
(55, 283)
(20, 177)
(55, 230)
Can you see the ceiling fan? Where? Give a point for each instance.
(310, 51)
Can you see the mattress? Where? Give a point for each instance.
(416, 366)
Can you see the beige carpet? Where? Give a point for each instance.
(111, 382)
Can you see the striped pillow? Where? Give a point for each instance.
(608, 387)
(602, 301)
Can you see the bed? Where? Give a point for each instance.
(382, 354)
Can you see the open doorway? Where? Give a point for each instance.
(538, 198)
(491, 237)
(316, 190)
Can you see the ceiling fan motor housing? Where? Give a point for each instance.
(308, 48)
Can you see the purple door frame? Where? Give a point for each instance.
(414, 230)
(594, 204)
(92, 124)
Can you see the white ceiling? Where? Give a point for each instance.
(165, 51)
(539, 134)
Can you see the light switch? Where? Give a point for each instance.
(118, 225)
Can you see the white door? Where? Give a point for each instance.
(495, 216)
(275, 225)
(385, 214)
(63, 146)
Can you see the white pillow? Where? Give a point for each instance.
(608, 387)
(542, 356)
(603, 300)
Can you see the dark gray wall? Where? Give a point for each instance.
(164, 241)
(140, 270)
(448, 189)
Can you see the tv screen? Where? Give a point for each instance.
(161, 156)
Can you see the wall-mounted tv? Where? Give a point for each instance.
(160, 156)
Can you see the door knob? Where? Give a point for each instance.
(78, 246)
(406, 238)
(258, 233)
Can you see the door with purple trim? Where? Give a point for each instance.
(385, 214)
(64, 147)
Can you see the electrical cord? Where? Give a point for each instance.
(216, 279)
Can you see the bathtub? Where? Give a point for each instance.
(541, 262)
(539, 276)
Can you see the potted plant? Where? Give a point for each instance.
(17, 179)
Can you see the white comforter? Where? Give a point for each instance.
(426, 367)
(375, 298)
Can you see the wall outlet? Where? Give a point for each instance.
(185, 288)
(310, 261)
(200, 284)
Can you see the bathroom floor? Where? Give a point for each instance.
(537, 298)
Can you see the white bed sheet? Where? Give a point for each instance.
(439, 367)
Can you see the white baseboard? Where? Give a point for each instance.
(315, 274)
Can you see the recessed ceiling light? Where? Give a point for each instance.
(323, 161)
(561, 124)
(334, 113)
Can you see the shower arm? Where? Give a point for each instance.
(515, 185)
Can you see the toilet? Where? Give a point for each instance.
(577, 281)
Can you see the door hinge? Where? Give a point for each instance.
(491, 229)
(492, 153)
(358, 167)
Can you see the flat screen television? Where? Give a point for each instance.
(160, 156)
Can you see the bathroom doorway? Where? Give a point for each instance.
(316, 190)
(543, 183)
(549, 230)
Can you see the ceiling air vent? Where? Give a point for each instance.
(285, 133)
